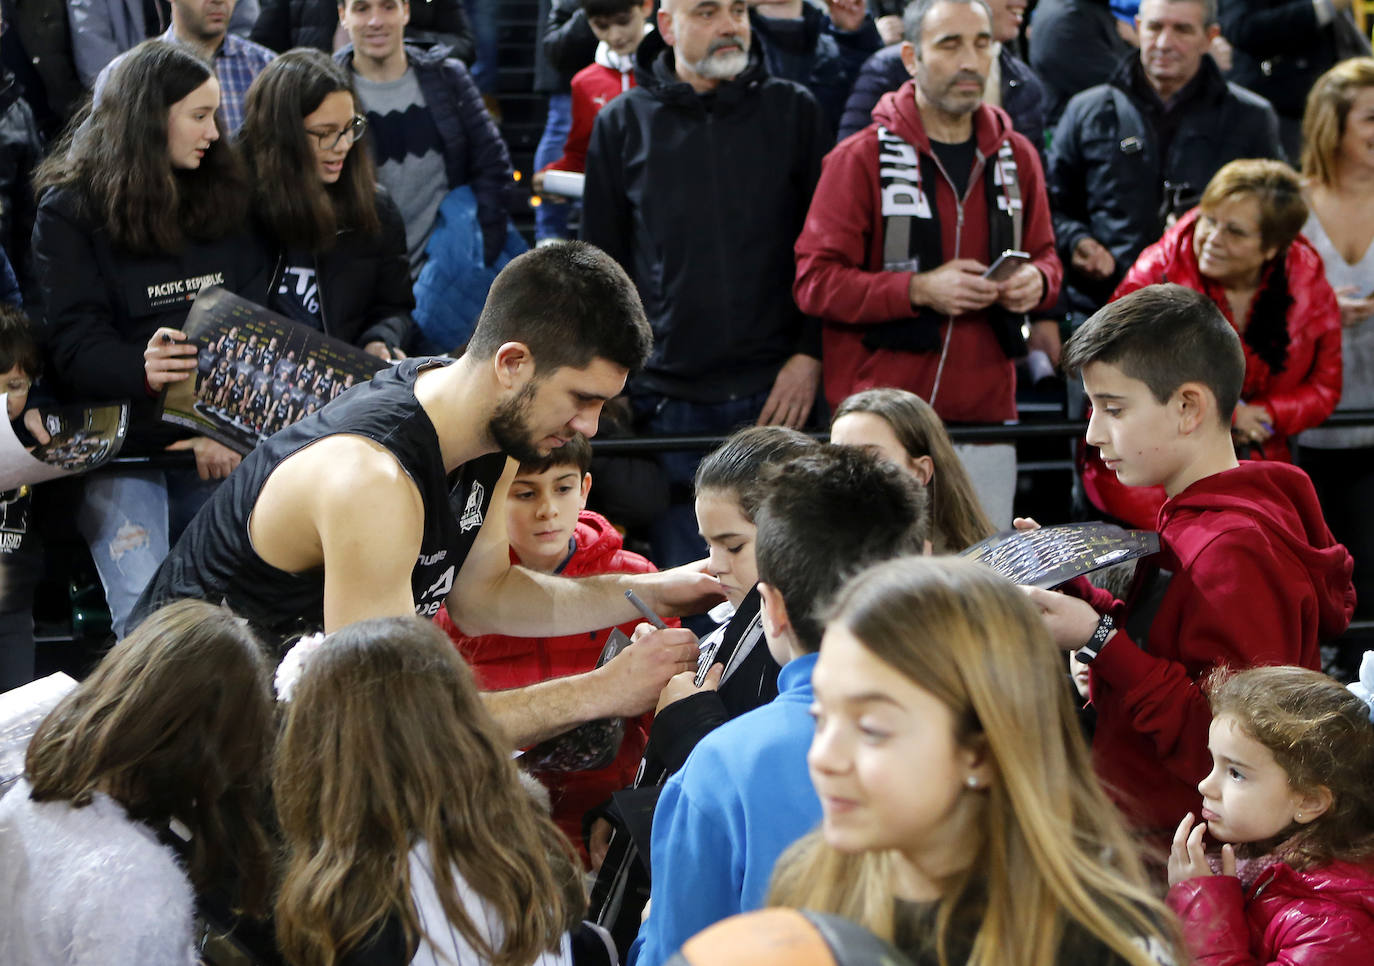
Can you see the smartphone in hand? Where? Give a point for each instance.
(1007, 263)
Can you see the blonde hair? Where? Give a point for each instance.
(386, 741)
(1052, 850)
(1276, 189)
(1328, 109)
(957, 519)
(1321, 735)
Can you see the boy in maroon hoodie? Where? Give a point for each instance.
(552, 531)
(1247, 574)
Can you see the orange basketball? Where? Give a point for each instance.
(786, 937)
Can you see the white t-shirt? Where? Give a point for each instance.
(446, 945)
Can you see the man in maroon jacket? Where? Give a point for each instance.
(908, 216)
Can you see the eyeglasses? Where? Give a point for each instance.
(329, 140)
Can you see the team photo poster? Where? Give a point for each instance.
(257, 372)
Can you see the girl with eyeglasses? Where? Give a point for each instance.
(338, 239)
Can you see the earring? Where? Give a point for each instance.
(1297, 816)
(971, 781)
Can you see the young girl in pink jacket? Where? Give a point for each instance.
(1290, 795)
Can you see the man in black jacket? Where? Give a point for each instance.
(698, 181)
(1017, 91)
(1129, 155)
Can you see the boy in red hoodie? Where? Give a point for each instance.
(619, 26)
(552, 531)
(1247, 574)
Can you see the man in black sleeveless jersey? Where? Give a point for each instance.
(391, 500)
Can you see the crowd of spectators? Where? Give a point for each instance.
(751, 218)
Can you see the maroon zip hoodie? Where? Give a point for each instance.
(840, 275)
(1257, 580)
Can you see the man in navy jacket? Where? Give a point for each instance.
(423, 154)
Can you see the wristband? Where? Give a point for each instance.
(1089, 651)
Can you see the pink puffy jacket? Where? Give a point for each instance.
(1321, 917)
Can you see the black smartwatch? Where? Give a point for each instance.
(1089, 651)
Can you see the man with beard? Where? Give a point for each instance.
(908, 216)
(698, 181)
(391, 499)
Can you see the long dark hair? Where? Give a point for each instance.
(295, 207)
(114, 155)
(176, 721)
(386, 741)
(738, 467)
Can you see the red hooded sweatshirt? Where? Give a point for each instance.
(1319, 917)
(1257, 580)
(500, 662)
(840, 275)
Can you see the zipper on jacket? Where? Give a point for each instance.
(974, 174)
(319, 290)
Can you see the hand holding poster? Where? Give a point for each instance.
(81, 439)
(256, 371)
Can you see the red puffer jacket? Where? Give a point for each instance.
(1321, 917)
(500, 662)
(1299, 397)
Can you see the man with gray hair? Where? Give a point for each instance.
(698, 180)
(908, 219)
(1131, 154)
(1012, 85)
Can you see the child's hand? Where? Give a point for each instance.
(1071, 621)
(684, 685)
(33, 422)
(1188, 859)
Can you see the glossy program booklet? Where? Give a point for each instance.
(83, 438)
(1051, 556)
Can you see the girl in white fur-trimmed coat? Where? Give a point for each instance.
(174, 724)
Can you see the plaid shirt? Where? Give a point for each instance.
(236, 63)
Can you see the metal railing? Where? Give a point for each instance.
(1066, 429)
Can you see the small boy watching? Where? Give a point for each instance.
(1248, 573)
(552, 531)
(744, 794)
(20, 565)
(619, 25)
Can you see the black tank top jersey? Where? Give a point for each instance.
(214, 559)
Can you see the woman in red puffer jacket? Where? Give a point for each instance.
(1242, 247)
